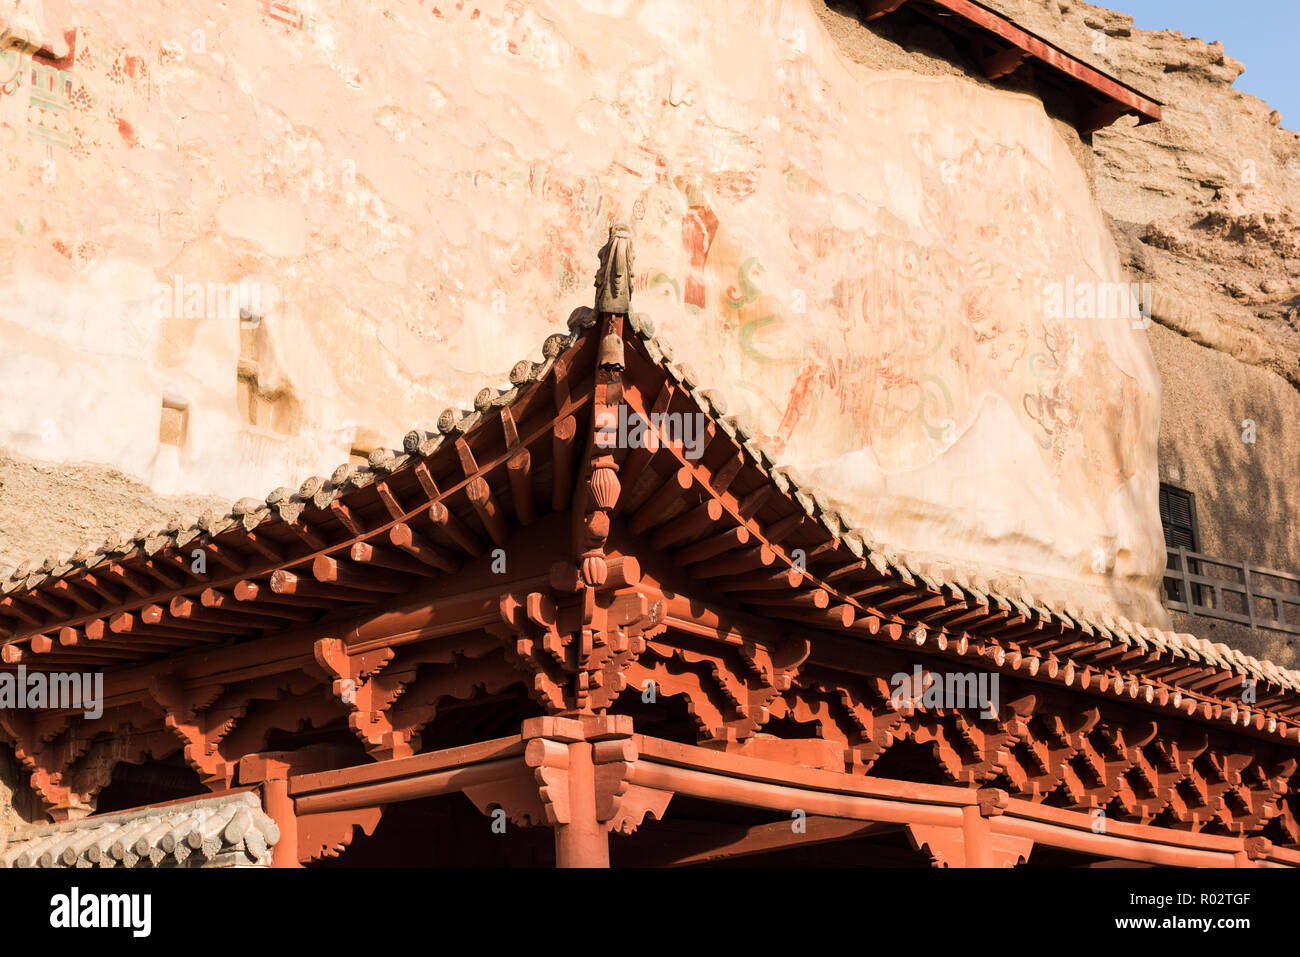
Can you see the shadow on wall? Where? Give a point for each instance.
(904, 28)
(1242, 503)
(1244, 498)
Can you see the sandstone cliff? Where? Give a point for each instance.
(1207, 202)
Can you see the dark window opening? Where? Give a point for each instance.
(1178, 518)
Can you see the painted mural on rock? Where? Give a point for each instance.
(246, 240)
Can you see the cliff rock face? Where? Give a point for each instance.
(402, 203)
(1208, 200)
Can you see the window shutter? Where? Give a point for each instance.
(1177, 516)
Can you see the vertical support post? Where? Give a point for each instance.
(583, 780)
(1187, 584)
(975, 837)
(272, 770)
(583, 841)
(279, 806)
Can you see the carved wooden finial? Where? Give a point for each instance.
(614, 277)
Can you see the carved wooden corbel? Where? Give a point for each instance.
(578, 650)
(621, 806)
(368, 691)
(182, 716)
(68, 764)
(971, 844)
(48, 750)
(330, 833)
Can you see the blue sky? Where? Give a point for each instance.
(1262, 34)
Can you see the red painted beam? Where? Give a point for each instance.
(1121, 99)
(1148, 110)
(872, 9)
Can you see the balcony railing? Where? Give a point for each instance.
(1198, 584)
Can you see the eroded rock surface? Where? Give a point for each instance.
(1212, 191)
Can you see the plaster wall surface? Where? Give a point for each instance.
(406, 201)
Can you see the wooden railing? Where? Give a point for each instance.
(1198, 584)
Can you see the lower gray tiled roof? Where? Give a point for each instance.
(226, 830)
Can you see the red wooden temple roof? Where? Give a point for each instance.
(340, 548)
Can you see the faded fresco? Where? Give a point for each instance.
(244, 240)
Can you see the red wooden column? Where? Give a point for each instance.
(583, 842)
(561, 759)
(272, 770)
(579, 767)
(975, 837)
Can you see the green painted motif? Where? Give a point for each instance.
(747, 291)
(662, 279)
(751, 329)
